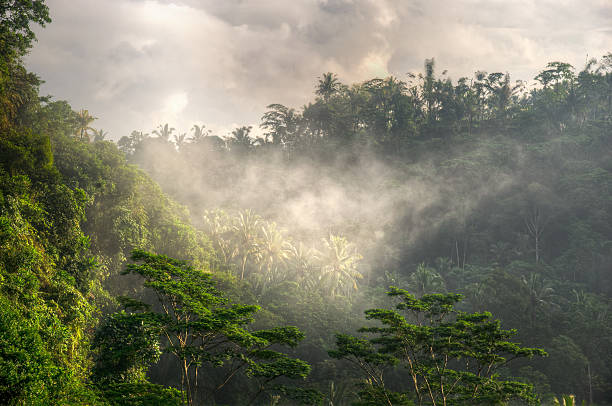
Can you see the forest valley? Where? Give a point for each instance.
(393, 242)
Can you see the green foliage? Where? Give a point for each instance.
(141, 394)
(26, 153)
(16, 36)
(451, 357)
(199, 328)
(260, 252)
(44, 278)
(18, 88)
(520, 225)
(27, 368)
(127, 345)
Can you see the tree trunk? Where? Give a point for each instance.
(590, 384)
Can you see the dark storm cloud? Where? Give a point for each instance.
(139, 63)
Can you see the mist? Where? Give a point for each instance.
(352, 191)
(322, 203)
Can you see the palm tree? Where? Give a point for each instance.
(477, 294)
(339, 260)
(499, 252)
(479, 88)
(180, 140)
(567, 400)
(328, 85)
(218, 227)
(501, 93)
(164, 132)
(99, 135)
(273, 252)
(540, 293)
(241, 139)
(428, 89)
(205, 139)
(301, 264)
(281, 122)
(385, 100)
(83, 121)
(425, 281)
(199, 133)
(246, 235)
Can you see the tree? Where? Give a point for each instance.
(199, 327)
(45, 280)
(218, 227)
(500, 93)
(362, 353)
(241, 141)
(273, 252)
(387, 110)
(265, 365)
(164, 132)
(199, 133)
(428, 89)
(567, 400)
(540, 294)
(556, 73)
(127, 345)
(452, 357)
(479, 93)
(246, 233)
(83, 121)
(18, 93)
(180, 140)
(328, 85)
(99, 135)
(426, 280)
(339, 259)
(301, 264)
(467, 100)
(16, 36)
(281, 122)
(129, 144)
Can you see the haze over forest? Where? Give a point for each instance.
(306, 203)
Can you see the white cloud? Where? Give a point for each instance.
(124, 59)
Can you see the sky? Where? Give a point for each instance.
(135, 64)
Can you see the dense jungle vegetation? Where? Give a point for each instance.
(393, 242)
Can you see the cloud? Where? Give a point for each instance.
(125, 60)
